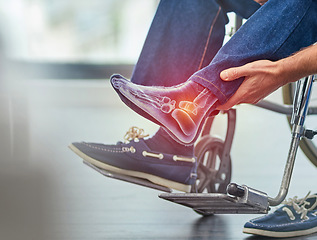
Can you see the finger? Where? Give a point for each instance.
(237, 98)
(229, 104)
(225, 107)
(234, 73)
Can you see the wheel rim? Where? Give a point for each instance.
(213, 172)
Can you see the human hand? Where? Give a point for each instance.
(261, 2)
(261, 78)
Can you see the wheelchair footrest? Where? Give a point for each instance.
(214, 203)
(134, 180)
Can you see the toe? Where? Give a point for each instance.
(118, 81)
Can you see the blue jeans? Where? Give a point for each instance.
(185, 38)
(275, 31)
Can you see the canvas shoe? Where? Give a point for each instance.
(297, 217)
(134, 158)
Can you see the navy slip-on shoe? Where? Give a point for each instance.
(297, 217)
(136, 159)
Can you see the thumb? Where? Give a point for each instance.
(233, 73)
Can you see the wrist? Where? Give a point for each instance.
(299, 65)
(289, 70)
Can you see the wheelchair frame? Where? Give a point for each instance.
(243, 199)
(240, 199)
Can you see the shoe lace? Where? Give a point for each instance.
(299, 205)
(135, 132)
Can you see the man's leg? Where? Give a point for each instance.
(183, 38)
(275, 31)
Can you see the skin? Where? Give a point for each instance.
(264, 77)
(261, 1)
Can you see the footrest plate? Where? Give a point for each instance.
(212, 203)
(134, 180)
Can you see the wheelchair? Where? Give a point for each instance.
(213, 193)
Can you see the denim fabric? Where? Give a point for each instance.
(183, 38)
(243, 8)
(275, 31)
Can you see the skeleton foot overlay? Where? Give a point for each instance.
(165, 104)
(181, 117)
(199, 102)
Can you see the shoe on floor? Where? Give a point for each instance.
(297, 217)
(134, 158)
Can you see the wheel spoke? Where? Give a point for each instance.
(213, 175)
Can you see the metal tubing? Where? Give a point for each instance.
(287, 174)
(299, 114)
(279, 108)
(282, 108)
(231, 127)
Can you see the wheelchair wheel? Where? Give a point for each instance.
(309, 147)
(214, 169)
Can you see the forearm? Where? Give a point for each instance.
(299, 65)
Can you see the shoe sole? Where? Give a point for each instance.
(279, 234)
(152, 178)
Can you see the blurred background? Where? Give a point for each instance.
(90, 31)
(47, 48)
(55, 61)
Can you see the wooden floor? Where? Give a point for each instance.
(46, 192)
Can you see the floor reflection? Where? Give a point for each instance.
(210, 227)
